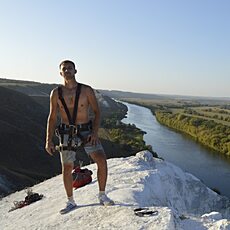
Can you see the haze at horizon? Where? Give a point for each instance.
(158, 47)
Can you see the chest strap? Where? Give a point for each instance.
(72, 118)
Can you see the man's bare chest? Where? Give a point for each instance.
(69, 99)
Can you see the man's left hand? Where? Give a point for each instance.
(93, 139)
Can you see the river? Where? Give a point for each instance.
(212, 168)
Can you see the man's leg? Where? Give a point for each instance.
(68, 179)
(100, 159)
(102, 171)
(68, 184)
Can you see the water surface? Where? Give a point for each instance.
(209, 166)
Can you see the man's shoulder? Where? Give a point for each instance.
(86, 88)
(54, 92)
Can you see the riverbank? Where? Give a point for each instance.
(127, 139)
(209, 133)
(207, 125)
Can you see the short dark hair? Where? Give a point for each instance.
(66, 62)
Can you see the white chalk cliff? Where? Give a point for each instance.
(182, 200)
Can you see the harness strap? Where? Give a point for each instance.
(63, 103)
(73, 118)
(78, 91)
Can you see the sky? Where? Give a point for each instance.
(178, 199)
(150, 46)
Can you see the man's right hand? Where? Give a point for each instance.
(50, 148)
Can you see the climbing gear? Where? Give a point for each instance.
(81, 177)
(75, 139)
(29, 199)
(60, 131)
(69, 207)
(71, 130)
(104, 200)
(145, 212)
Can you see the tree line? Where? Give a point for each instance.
(211, 115)
(207, 132)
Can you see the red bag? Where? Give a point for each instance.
(81, 177)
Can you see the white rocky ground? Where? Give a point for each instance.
(181, 200)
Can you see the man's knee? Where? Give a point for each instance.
(67, 169)
(99, 157)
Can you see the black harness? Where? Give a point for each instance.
(73, 118)
(72, 129)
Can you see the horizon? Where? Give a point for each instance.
(151, 47)
(124, 91)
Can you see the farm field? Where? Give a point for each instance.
(219, 111)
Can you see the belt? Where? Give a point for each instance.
(85, 126)
(63, 148)
(81, 127)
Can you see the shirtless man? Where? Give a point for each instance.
(88, 131)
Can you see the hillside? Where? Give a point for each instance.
(22, 130)
(23, 159)
(28, 87)
(179, 200)
(23, 115)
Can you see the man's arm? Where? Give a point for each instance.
(51, 122)
(96, 122)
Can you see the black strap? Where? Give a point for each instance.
(69, 148)
(64, 104)
(78, 91)
(73, 118)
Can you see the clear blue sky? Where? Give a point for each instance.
(149, 46)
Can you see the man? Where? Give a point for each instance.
(75, 126)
